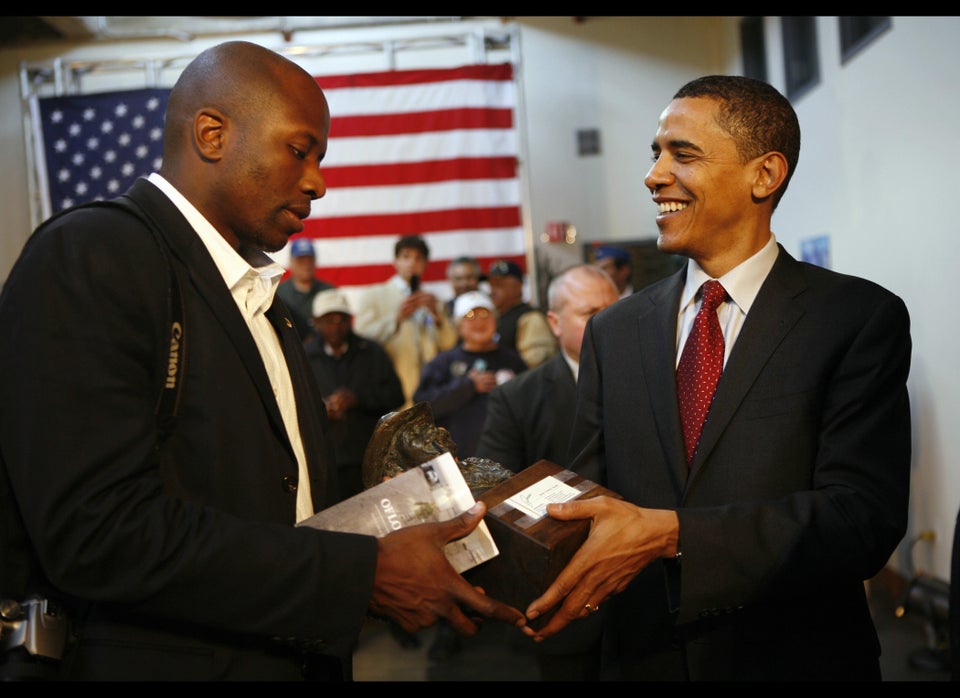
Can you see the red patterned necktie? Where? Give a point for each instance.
(701, 364)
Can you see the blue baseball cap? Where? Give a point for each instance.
(302, 247)
(618, 255)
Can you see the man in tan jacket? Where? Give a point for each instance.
(408, 321)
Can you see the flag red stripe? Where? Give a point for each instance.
(483, 71)
(375, 273)
(400, 117)
(418, 172)
(420, 122)
(398, 224)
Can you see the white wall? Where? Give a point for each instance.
(876, 173)
(615, 74)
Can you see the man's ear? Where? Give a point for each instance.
(209, 127)
(772, 171)
(554, 321)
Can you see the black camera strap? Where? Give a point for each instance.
(168, 402)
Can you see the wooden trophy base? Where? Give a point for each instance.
(533, 548)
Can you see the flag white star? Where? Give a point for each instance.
(97, 145)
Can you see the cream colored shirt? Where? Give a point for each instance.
(252, 284)
(742, 284)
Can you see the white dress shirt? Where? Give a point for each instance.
(252, 284)
(742, 284)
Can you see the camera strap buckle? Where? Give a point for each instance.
(36, 625)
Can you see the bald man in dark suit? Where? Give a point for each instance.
(529, 417)
(172, 547)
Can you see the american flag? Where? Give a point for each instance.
(96, 145)
(432, 152)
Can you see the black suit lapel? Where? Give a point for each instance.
(771, 317)
(204, 276)
(560, 393)
(563, 387)
(657, 327)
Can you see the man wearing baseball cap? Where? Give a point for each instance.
(299, 289)
(456, 382)
(357, 381)
(520, 327)
(617, 262)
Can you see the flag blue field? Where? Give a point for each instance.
(96, 145)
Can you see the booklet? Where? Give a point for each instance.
(433, 491)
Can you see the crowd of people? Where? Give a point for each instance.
(389, 345)
(164, 426)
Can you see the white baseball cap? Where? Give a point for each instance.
(468, 301)
(330, 301)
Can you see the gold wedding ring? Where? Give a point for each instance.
(590, 608)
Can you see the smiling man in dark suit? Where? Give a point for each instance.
(748, 561)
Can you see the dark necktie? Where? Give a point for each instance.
(701, 364)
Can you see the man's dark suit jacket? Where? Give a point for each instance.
(797, 494)
(529, 417)
(182, 556)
